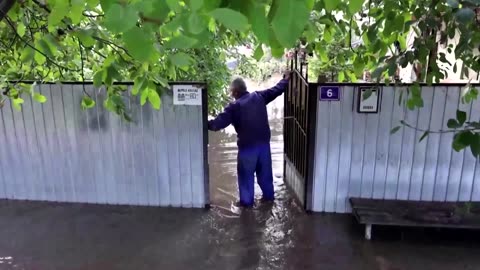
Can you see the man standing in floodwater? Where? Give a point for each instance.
(248, 115)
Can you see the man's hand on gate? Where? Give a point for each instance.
(286, 74)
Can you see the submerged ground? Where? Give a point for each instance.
(44, 236)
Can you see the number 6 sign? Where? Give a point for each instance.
(329, 93)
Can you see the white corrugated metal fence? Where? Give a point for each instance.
(57, 152)
(357, 157)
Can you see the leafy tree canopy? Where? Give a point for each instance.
(153, 41)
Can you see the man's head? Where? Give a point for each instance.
(238, 88)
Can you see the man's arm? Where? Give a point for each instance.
(271, 94)
(223, 120)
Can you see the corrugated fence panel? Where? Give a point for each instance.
(356, 156)
(346, 135)
(420, 149)
(58, 152)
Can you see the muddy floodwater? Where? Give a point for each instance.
(45, 236)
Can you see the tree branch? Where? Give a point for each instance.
(84, 13)
(111, 44)
(150, 20)
(10, 23)
(82, 72)
(441, 131)
(350, 35)
(43, 6)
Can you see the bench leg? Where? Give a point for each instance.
(368, 231)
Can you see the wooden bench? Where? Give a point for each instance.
(461, 215)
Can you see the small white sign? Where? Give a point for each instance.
(187, 95)
(368, 99)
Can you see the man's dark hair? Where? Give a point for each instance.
(239, 85)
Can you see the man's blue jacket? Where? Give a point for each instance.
(248, 115)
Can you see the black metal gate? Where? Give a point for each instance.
(299, 132)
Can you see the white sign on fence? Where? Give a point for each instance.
(187, 95)
(368, 99)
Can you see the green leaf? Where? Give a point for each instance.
(354, 6)
(85, 37)
(17, 103)
(110, 75)
(173, 25)
(416, 90)
(98, 78)
(400, 97)
(139, 44)
(465, 15)
(158, 10)
(273, 10)
(196, 23)
(289, 21)
(181, 42)
(27, 55)
(139, 85)
(120, 19)
(330, 5)
(452, 123)
(475, 145)
(21, 29)
(39, 58)
(144, 96)
(76, 10)
(259, 21)
(425, 135)
(372, 35)
(323, 55)
(411, 104)
(419, 102)
(310, 4)
(461, 117)
(145, 7)
(462, 140)
(43, 46)
(377, 73)
(93, 3)
(368, 93)
(351, 76)
(58, 12)
(470, 94)
(162, 81)
(277, 52)
(181, 59)
(392, 68)
(197, 4)
(232, 19)
(174, 5)
(341, 76)
(87, 103)
(276, 49)
(106, 4)
(258, 53)
(395, 129)
(327, 36)
(154, 99)
(211, 4)
(39, 98)
(117, 100)
(109, 61)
